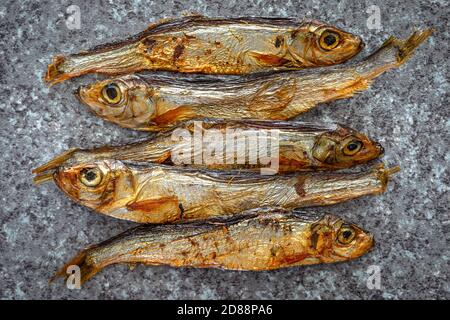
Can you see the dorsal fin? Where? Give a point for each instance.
(171, 24)
(167, 24)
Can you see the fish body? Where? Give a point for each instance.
(152, 102)
(301, 147)
(196, 44)
(253, 242)
(162, 194)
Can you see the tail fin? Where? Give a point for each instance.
(407, 47)
(42, 172)
(54, 74)
(385, 174)
(87, 268)
(392, 54)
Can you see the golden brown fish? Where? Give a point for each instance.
(156, 102)
(253, 243)
(160, 194)
(216, 46)
(301, 147)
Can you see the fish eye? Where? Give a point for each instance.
(111, 93)
(353, 147)
(346, 235)
(329, 40)
(91, 177)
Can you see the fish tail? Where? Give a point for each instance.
(56, 161)
(392, 54)
(384, 175)
(114, 59)
(54, 72)
(407, 47)
(87, 268)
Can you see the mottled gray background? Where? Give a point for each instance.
(407, 110)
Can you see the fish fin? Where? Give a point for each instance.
(54, 73)
(385, 174)
(268, 59)
(287, 259)
(45, 172)
(273, 96)
(174, 115)
(168, 23)
(160, 210)
(87, 269)
(189, 13)
(293, 157)
(407, 47)
(158, 23)
(349, 91)
(131, 266)
(42, 178)
(164, 158)
(56, 161)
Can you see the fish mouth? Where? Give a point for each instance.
(76, 92)
(89, 97)
(59, 180)
(361, 45)
(380, 148)
(368, 245)
(371, 242)
(80, 94)
(62, 181)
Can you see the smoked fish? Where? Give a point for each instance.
(301, 146)
(196, 44)
(267, 241)
(165, 194)
(154, 102)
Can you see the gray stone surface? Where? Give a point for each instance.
(407, 110)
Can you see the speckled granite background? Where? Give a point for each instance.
(407, 110)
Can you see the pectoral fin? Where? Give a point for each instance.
(273, 95)
(174, 115)
(268, 59)
(293, 158)
(160, 210)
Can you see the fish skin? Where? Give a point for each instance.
(159, 102)
(252, 242)
(300, 143)
(196, 44)
(164, 194)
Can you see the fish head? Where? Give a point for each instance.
(344, 147)
(95, 184)
(126, 101)
(334, 239)
(323, 45)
